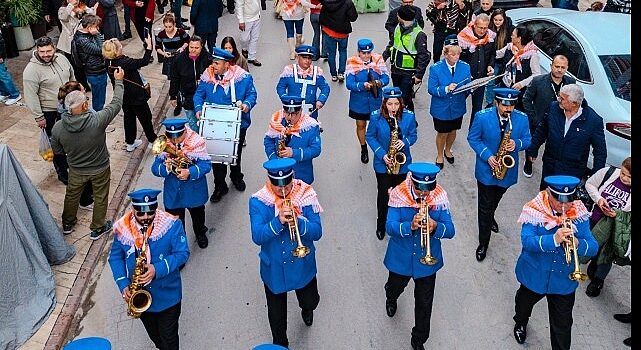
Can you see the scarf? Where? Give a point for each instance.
(355, 64)
(127, 232)
(468, 40)
(288, 71)
(538, 212)
(277, 129)
(289, 6)
(301, 196)
(401, 196)
(193, 147)
(234, 73)
(526, 52)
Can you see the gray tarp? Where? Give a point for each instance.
(30, 240)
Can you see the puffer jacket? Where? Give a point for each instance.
(89, 50)
(613, 235)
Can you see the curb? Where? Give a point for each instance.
(64, 322)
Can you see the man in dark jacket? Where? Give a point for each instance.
(542, 90)
(447, 17)
(477, 49)
(204, 17)
(335, 20)
(570, 128)
(408, 54)
(188, 68)
(392, 18)
(87, 49)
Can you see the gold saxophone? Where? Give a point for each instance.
(177, 158)
(570, 251)
(428, 259)
(140, 299)
(396, 157)
(292, 224)
(502, 156)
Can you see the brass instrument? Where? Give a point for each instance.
(428, 259)
(506, 161)
(397, 158)
(283, 138)
(570, 251)
(375, 83)
(292, 223)
(176, 157)
(140, 299)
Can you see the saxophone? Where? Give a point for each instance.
(505, 160)
(140, 299)
(397, 158)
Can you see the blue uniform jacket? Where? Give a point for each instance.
(541, 266)
(245, 92)
(361, 100)
(279, 269)
(378, 138)
(404, 247)
(189, 193)
(167, 254)
(485, 136)
(447, 106)
(287, 85)
(304, 148)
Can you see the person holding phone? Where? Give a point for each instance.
(142, 13)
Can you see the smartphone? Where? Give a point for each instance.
(112, 69)
(146, 31)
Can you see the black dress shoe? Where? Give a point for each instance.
(440, 165)
(240, 185)
(594, 288)
(244, 52)
(624, 318)
(495, 226)
(416, 345)
(364, 156)
(390, 307)
(184, 20)
(481, 252)
(218, 194)
(380, 234)
(184, 27)
(520, 333)
(202, 241)
(628, 341)
(449, 159)
(308, 316)
(255, 63)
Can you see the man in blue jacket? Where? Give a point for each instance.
(167, 250)
(570, 127)
(407, 250)
(485, 136)
(542, 269)
(227, 85)
(185, 188)
(298, 133)
(282, 213)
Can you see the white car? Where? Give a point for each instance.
(597, 45)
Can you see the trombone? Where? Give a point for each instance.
(294, 235)
(428, 259)
(570, 251)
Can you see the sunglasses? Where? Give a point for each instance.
(141, 214)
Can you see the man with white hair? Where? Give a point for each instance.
(80, 135)
(570, 127)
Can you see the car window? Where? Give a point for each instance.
(618, 70)
(554, 40)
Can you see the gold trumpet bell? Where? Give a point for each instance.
(578, 276)
(300, 252)
(139, 302)
(428, 260)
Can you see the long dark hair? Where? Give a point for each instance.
(399, 113)
(232, 42)
(503, 32)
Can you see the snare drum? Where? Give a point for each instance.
(220, 127)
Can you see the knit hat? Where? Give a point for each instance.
(406, 13)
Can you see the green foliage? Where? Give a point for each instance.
(24, 12)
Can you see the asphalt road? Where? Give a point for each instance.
(224, 305)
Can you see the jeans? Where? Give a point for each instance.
(568, 4)
(7, 87)
(98, 84)
(193, 122)
(330, 45)
(489, 88)
(176, 6)
(291, 25)
(316, 42)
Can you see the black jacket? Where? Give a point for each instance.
(134, 93)
(392, 19)
(540, 94)
(89, 51)
(482, 57)
(337, 15)
(204, 15)
(185, 75)
(3, 50)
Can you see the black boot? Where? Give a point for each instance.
(481, 252)
(308, 316)
(364, 154)
(520, 333)
(390, 307)
(624, 318)
(416, 345)
(594, 288)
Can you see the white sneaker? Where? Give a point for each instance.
(133, 146)
(3, 98)
(12, 101)
(86, 207)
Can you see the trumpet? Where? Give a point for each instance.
(140, 299)
(294, 235)
(570, 251)
(283, 138)
(428, 259)
(176, 157)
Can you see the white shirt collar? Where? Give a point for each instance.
(568, 122)
(450, 66)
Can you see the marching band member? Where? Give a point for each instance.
(366, 75)
(292, 133)
(412, 254)
(185, 188)
(166, 250)
(542, 268)
(486, 137)
(224, 84)
(392, 117)
(285, 220)
(305, 80)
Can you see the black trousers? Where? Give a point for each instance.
(406, 84)
(197, 218)
(439, 38)
(162, 327)
(308, 299)
(230, 5)
(423, 298)
(220, 170)
(488, 200)
(140, 23)
(559, 311)
(384, 182)
(143, 114)
(209, 39)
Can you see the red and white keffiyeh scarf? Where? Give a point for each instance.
(355, 64)
(468, 40)
(290, 5)
(193, 146)
(301, 195)
(127, 232)
(401, 196)
(277, 129)
(526, 52)
(234, 73)
(538, 212)
(288, 71)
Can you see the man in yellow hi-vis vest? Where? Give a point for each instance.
(408, 54)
